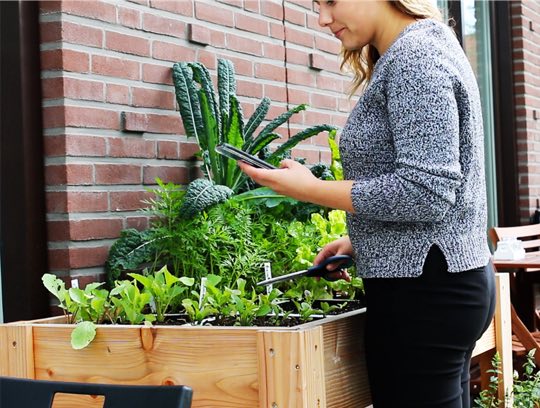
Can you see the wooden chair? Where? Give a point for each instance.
(521, 284)
(25, 393)
(523, 338)
(497, 338)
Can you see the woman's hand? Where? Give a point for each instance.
(291, 179)
(341, 246)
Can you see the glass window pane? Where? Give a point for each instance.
(477, 46)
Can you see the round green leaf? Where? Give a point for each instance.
(82, 335)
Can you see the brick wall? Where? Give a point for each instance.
(526, 58)
(110, 120)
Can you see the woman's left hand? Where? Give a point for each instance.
(291, 179)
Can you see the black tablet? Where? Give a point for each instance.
(236, 154)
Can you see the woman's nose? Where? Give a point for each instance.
(325, 17)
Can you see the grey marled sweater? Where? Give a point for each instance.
(414, 147)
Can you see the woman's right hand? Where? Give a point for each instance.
(341, 246)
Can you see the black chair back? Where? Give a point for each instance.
(25, 393)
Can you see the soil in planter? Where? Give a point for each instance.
(271, 321)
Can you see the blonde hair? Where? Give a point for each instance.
(361, 62)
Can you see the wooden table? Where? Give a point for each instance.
(531, 261)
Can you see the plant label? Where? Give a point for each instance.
(202, 293)
(268, 275)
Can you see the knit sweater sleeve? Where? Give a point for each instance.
(422, 113)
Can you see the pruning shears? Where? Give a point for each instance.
(320, 270)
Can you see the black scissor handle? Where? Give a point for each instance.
(320, 270)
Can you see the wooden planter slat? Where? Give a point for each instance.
(16, 351)
(319, 364)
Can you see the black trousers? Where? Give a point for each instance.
(421, 332)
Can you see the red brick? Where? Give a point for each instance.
(272, 9)
(277, 31)
(117, 174)
(276, 93)
(56, 202)
(317, 118)
(94, 9)
(85, 90)
(274, 52)
(129, 17)
(299, 37)
(235, 3)
(86, 258)
(83, 35)
(50, 31)
(54, 116)
(47, 7)
(199, 34)
(252, 24)
(70, 174)
(313, 24)
(147, 122)
(307, 4)
(67, 60)
(214, 14)
(139, 223)
(272, 72)
(129, 200)
(74, 145)
(177, 175)
(152, 98)
(297, 57)
(167, 149)
(339, 121)
(298, 96)
(329, 83)
(127, 44)
(188, 150)
(217, 39)
(115, 67)
(318, 61)
(207, 58)
(249, 88)
(184, 8)
(304, 77)
(162, 25)
(78, 116)
(84, 230)
(131, 147)
(332, 46)
(58, 258)
(82, 201)
(117, 94)
(57, 230)
(294, 16)
(252, 5)
(157, 74)
(172, 52)
(244, 45)
(52, 88)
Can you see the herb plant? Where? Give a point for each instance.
(525, 390)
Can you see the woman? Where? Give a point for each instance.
(412, 153)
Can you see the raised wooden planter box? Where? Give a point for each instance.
(315, 365)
